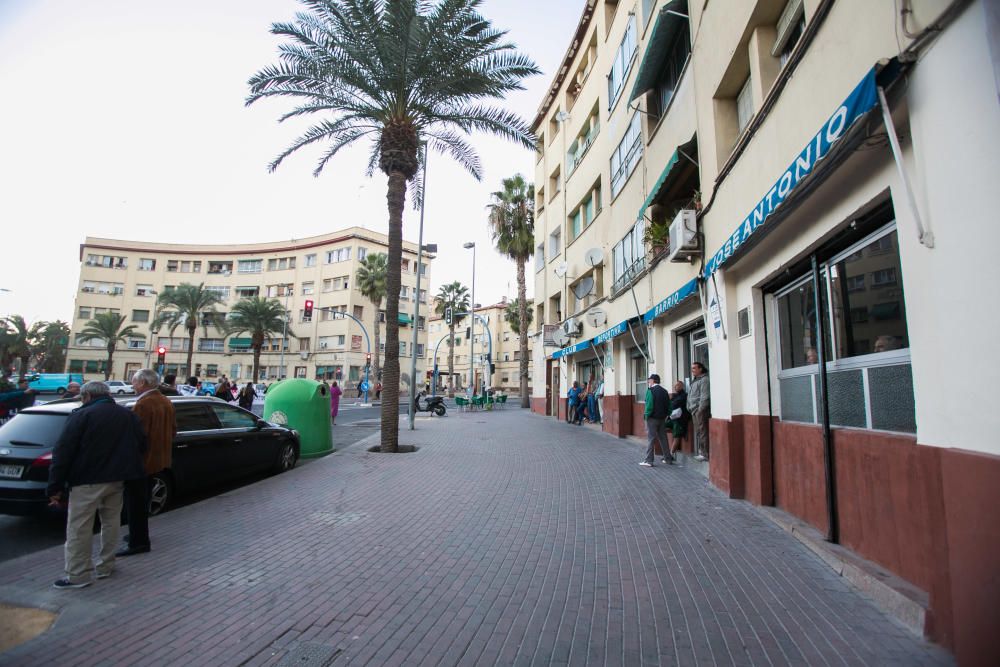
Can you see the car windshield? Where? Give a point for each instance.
(33, 428)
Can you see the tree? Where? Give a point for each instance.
(405, 74)
(49, 341)
(262, 318)
(512, 316)
(512, 224)
(6, 350)
(455, 296)
(19, 342)
(183, 306)
(371, 283)
(107, 327)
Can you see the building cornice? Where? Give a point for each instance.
(567, 63)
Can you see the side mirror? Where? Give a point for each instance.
(261, 424)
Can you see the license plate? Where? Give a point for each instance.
(11, 472)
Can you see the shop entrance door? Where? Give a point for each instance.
(692, 346)
(555, 392)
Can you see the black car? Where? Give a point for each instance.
(215, 442)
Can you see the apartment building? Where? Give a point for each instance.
(787, 191)
(331, 344)
(497, 341)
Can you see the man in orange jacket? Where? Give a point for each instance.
(156, 414)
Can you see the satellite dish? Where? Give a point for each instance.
(584, 287)
(561, 270)
(596, 317)
(560, 338)
(594, 257)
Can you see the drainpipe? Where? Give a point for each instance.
(832, 532)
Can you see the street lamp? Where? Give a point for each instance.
(472, 319)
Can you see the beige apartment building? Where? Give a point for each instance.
(126, 277)
(789, 191)
(506, 351)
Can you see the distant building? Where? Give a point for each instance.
(127, 276)
(506, 354)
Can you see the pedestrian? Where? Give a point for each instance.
(700, 406)
(13, 401)
(593, 413)
(224, 392)
(677, 423)
(581, 405)
(169, 385)
(159, 425)
(101, 445)
(656, 412)
(335, 394)
(378, 391)
(573, 397)
(247, 396)
(72, 390)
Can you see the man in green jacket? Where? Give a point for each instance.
(656, 413)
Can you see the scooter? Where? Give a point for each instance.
(433, 404)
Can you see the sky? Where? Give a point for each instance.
(126, 120)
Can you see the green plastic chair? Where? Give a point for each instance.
(461, 403)
(502, 400)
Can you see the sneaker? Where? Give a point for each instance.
(66, 583)
(102, 575)
(699, 457)
(643, 463)
(668, 461)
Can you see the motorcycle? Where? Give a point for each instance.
(433, 404)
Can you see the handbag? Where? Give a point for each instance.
(676, 414)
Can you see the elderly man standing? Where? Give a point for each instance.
(700, 405)
(156, 414)
(72, 390)
(100, 447)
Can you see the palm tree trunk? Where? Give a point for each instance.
(376, 340)
(451, 358)
(256, 362)
(395, 199)
(190, 368)
(111, 356)
(522, 321)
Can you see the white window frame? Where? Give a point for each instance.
(626, 156)
(744, 105)
(621, 66)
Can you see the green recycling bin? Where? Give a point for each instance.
(305, 406)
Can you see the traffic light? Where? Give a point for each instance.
(368, 359)
(308, 310)
(161, 355)
(447, 315)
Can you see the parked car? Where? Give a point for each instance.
(119, 387)
(52, 382)
(215, 442)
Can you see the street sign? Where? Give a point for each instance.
(363, 387)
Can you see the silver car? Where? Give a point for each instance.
(119, 387)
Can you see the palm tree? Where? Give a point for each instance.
(455, 296)
(183, 306)
(262, 318)
(405, 74)
(19, 342)
(371, 283)
(512, 315)
(512, 224)
(107, 327)
(49, 340)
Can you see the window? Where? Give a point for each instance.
(230, 417)
(247, 292)
(107, 261)
(339, 255)
(421, 321)
(250, 265)
(220, 267)
(275, 345)
(629, 257)
(190, 267)
(402, 348)
(554, 243)
(540, 257)
(883, 277)
(84, 313)
(855, 283)
(280, 263)
(404, 293)
(147, 264)
(638, 374)
(790, 27)
(221, 291)
(555, 183)
(404, 265)
(211, 345)
(93, 342)
(174, 344)
(744, 106)
(304, 344)
(140, 315)
(626, 155)
(362, 253)
(870, 383)
(622, 63)
(420, 349)
(137, 343)
(359, 312)
(280, 290)
(144, 290)
(584, 140)
(211, 370)
(584, 214)
(670, 74)
(308, 287)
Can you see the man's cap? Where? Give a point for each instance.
(655, 378)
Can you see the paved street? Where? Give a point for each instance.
(506, 539)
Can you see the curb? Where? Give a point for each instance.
(895, 597)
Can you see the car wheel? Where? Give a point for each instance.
(121, 391)
(61, 390)
(161, 493)
(439, 410)
(287, 458)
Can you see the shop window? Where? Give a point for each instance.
(638, 374)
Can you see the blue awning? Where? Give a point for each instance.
(665, 31)
(689, 289)
(861, 100)
(599, 339)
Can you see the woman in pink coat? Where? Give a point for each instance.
(335, 393)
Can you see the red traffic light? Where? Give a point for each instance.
(161, 350)
(308, 310)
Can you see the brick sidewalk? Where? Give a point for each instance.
(507, 539)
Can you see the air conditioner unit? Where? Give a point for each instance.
(573, 327)
(684, 236)
(324, 345)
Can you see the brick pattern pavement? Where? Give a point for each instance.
(507, 539)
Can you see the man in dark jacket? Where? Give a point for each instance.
(656, 413)
(101, 446)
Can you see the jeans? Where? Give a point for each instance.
(86, 501)
(656, 430)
